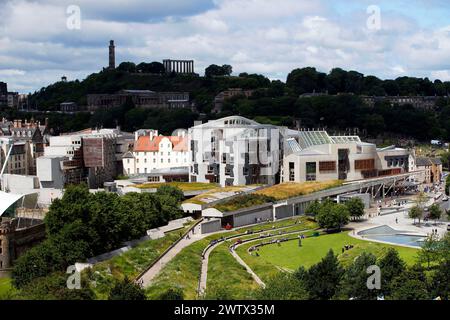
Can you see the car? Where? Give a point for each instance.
(448, 227)
(445, 198)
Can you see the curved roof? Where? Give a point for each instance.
(7, 200)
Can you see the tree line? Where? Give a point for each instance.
(81, 225)
(272, 101)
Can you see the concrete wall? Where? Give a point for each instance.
(250, 216)
(210, 226)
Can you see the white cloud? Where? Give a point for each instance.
(263, 36)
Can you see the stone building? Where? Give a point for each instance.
(153, 152)
(432, 167)
(419, 102)
(16, 237)
(227, 94)
(140, 98)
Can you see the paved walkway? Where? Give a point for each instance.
(150, 274)
(399, 220)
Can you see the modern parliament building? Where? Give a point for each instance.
(239, 151)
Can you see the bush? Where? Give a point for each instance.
(127, 290)
(245, 201)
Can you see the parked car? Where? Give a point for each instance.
(445, 198)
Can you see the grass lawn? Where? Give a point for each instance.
(210, 194)
(289, 190)
(226, 274)
(183, 186)
(291, 256)
(5, 285)
(183, 270)
(132, 262)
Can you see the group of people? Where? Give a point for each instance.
(347, 247)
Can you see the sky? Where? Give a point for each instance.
(42, 40)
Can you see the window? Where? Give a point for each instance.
(327, 166)
(367, 164)
(311, 171)
(291, 171)
(210, 169)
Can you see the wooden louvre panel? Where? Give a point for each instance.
(327, 166)
(367, 164)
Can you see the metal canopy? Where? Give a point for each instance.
(7, 200)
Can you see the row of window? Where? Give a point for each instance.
(161, 160)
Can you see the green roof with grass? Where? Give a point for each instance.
(183, 186)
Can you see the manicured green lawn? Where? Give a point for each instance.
(290, 256)
(183, 271)
(5, 285)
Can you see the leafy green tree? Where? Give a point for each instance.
(391, 266)
(435, 212)
(127, 290)
(354, 281)
(215, 70)
(440, 282)
(416, 212)
(283, 286)
(127, 67)
(174, 192)
(313, 208)
(355, 207)
(172, 294)
(323, 279)
(153, 67)
(430, 250)
(332, 216)
(410, 285)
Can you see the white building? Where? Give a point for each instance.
(154, 152)
(235, 151)
(316, 156)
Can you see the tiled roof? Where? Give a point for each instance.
(144, 144)
(423, 161)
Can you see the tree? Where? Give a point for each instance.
(127, 290)
(215, 70)
(430, 251)
(153, 67)
(172, 294)
(283, 286)
(416, 212)
(354, 281)
(440, 282)
(435, 212)
(410, 285)
(313, 208)
(447, 185)
(391, 266)
(322, 280)
(355, 207)
(332, 216)
(127, 67)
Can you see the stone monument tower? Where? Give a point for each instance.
(112, 55)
